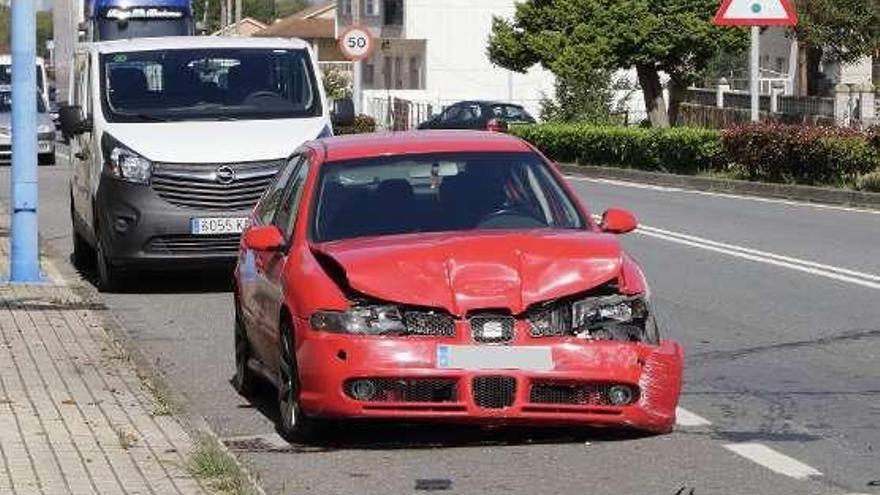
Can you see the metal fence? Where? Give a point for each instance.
(805, 106)
(397, 114)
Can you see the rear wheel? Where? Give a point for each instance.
(243, 381)
(293, 424)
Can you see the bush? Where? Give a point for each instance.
(869, 182)
(679, 150)
(766, 152)
(800, 154)
(363, 124)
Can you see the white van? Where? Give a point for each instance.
(173, 140)
(6, 77)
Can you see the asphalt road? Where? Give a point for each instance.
(777, 305)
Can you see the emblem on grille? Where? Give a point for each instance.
(225, 174)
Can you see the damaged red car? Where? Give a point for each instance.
(445, 276)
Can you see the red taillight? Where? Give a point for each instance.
(496, 125)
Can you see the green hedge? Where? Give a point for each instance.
(768, 153)
(363, 124)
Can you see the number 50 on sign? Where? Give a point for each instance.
(356, 43)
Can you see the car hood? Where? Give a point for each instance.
(211, 141)
(42, 119)
(464, 272)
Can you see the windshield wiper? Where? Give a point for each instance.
(148, 117)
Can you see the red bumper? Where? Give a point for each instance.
(328, 363)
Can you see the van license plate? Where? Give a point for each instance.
(208, 226)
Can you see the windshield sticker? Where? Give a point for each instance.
(120, 57)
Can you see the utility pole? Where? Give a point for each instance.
(24, 250)
(357, 89)
(237, 16)
(755, 73)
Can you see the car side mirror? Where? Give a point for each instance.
(264, 238)
(72, 122)
(343, 113)
(618, 221)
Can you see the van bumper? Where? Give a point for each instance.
(139, 229)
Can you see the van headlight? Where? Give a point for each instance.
(123, 163)
(45, 128)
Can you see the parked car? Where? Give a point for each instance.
(174, 141)
(447, 276)
(45, 131)
(42, 82)
(479, 115)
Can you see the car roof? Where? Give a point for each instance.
(416, 142)
(488, 102)
(185, 42)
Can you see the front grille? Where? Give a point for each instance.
(494, 392)
(429, 323)
(194, 244)
(197, 185)
(492, 329)
(580, 394)
(430, 390)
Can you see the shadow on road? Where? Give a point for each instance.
(202, 281)
(381, 435)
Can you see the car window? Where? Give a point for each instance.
(268, 205)
(285, 219)
(514, 112)
(439, 193)
(450, 113)
(471, 112)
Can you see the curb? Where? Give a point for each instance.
(807, 194)
(195, 425)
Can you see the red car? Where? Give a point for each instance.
(445, 276)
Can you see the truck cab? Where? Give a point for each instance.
(126, 19)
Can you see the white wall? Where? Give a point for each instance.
(457, 66)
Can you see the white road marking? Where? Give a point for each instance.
(773, 460)
(864, 280)
(683, 417)
(788, 202)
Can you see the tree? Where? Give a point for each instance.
(570, 37)
(838, 30)
(586, 98)
(44, 30)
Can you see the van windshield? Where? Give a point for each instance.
(209, 84)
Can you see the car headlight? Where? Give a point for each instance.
(123, 163)
(611, 317)
(45, 128)
(365, 320)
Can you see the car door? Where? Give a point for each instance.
(270, 265)
(247, 276)
(81, 146)
(447, 119)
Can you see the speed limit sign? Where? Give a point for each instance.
(356, 43)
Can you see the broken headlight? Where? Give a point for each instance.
(365, 320)
(614, 317)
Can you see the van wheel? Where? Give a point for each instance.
(109, 276)
(293, 424)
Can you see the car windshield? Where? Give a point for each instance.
(439, 193)
(209, 84)
(6, 103)
(113, 29)
(6, 77)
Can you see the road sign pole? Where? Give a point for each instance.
(24, 249)
(357, 87)
(755, 73)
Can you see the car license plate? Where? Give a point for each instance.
(473, 357)
(208, 226)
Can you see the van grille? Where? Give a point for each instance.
(193, 244)
(197, 185)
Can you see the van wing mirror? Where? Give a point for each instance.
(343, 112)
(72, 122)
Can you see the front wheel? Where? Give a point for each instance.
(293, 424)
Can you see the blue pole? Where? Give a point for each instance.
(25, 254)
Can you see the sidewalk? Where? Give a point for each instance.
(74, 415)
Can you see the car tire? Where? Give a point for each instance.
(244, 379)
(83, 255)
(109, 276)
(293, 424)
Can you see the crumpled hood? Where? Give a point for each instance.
(464, 272)
(217, 142)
